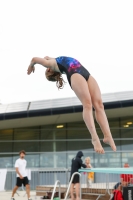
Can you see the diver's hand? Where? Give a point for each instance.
(30, 70)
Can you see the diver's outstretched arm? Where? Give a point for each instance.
(48, 58)
(45, 62)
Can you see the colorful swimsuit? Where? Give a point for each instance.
(69, 66)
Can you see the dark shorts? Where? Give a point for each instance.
(75, 179)
(23, 181)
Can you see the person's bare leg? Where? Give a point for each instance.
(28, 190)
(99, 112)
(72, 192)
(77, 188)
(80, 87)
(14, 190)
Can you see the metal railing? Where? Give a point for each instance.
(104, 180)
(71, 183)
(96, 187)
(56, 183)
(39, 177)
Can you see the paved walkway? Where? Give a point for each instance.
(22, 196)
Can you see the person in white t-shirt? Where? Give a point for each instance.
(20, 166)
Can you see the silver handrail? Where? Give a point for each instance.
(57, 182)
(70, 184)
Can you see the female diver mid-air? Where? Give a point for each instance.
(85, 88)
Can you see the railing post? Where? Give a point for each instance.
(57, 182)
(70, 184)
(80, 187)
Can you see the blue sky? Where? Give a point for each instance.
(97, 33)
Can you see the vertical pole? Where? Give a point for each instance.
(80, 186)
(54, 149)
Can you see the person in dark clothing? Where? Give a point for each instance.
(77, 163)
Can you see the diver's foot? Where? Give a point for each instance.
(97, 146)
(109, 140)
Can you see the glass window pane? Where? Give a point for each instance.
(6, 134)
(47, 132)
(77, 125)
(6, 161)
(77, 130)
(47, 160)
(114, 122)
(127, 132)
(61, 159)
(33, 160)
(79, 145)
(27, 146)
(6, 146)
(26, 133)
(127, 157)
(60, 133)
(127, 122)
(60, 146)
(46, 146)
(108, 160)
(57, 131)
(78, 133)
(127, 145)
